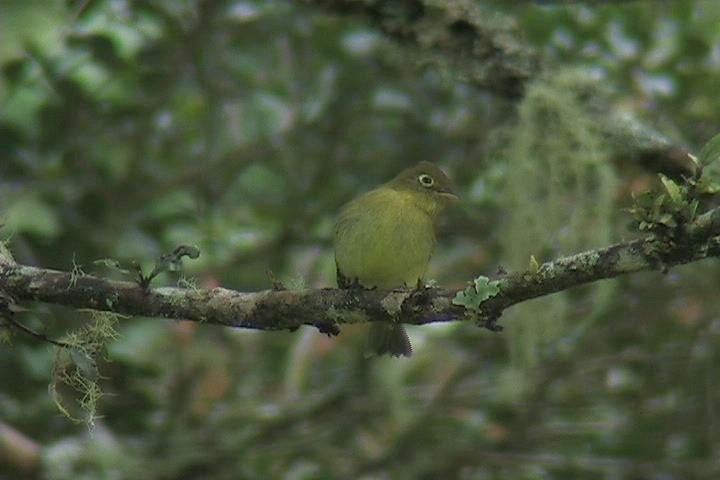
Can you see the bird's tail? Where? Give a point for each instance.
(389, 339)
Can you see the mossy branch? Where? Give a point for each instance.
(461, 36)
(328, 307)
(481, 46)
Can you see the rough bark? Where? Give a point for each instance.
(329, 307)
(479, 46)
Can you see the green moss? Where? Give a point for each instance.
(74, 385)
(569, 209)
(188, 283)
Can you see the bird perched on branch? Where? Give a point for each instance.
(384, 239)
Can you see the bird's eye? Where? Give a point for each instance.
(426, 180)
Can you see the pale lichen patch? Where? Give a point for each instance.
(629, 261)
(392, 303)
(440, 304)
(35, 284)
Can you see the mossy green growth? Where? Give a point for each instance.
(709, 182)
(74, 384)
(188, 283)
(297, 283)
(476, 293)
(661, 211)
(559, 196)
(710, 153)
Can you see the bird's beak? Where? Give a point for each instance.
(450, 195)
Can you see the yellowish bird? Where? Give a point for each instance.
(385, 237)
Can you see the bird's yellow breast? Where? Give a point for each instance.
(385, 237)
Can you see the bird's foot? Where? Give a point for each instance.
(418, 297)
(421, 293)
(348, 283)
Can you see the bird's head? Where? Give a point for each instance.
(433, 187)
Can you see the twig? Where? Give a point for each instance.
(40, 336)
(167, 261)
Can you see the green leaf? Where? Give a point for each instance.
(481, 289)
(657, 204)
(710, 152)
(672, 188)
(690, 210)
(667, 220)
(708, 186)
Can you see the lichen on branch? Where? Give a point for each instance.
(462, 37)
(327, 307)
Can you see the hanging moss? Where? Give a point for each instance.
(74, 386)
(558, 199)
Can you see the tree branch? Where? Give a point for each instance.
(8, 317)
(326, 308)
(482, 47)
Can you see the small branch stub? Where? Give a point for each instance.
(167, 262)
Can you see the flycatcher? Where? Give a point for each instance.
(384, 238)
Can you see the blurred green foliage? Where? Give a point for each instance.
(127, 128)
